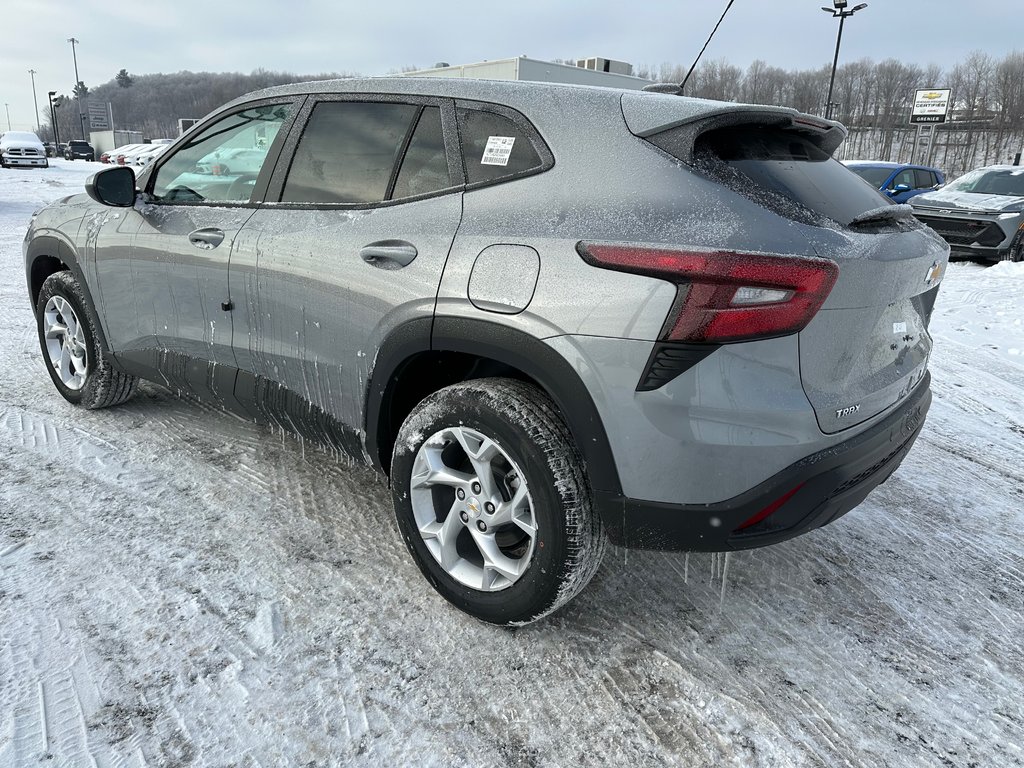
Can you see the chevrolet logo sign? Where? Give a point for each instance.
(931, 95)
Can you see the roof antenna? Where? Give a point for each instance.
(678, 89)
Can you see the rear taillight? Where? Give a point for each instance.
(724, 296)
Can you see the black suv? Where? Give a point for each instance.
(79, 149)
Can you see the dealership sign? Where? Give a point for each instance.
(98, 117)
(930, 106)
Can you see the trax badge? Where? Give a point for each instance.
(842, 413)
(934, 274)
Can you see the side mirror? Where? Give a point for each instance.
(113, 186)
(901, 188)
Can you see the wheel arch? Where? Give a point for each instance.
(425, 355)
(47, 255)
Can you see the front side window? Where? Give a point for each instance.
(221, 163)
(876, 177)
(905, 177)
(348, 152)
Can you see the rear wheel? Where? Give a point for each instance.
(492, 501)
(69, 340)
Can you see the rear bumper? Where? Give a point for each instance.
(814, 491)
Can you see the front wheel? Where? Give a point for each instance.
(71, 347)
(493, 503)
(1015, 252)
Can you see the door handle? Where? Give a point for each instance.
(389, 254)
(206, 239)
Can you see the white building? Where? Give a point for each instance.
(592, 71)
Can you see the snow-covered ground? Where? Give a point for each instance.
(181, 587)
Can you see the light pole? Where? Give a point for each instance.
(8, 108)
(78, 98)
(841, 12)
(35, 101)
(53, 123)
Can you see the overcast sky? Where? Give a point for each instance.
(313, 36)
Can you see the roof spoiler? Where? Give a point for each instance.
(647, 114)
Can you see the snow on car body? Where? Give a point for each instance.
(551, 314)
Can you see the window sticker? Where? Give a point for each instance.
(498, 150)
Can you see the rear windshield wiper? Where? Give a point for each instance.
(882, 214)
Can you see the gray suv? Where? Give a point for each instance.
(553, 316)
(980, 215)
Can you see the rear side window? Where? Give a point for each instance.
(347, 152)
(494, 146)
(925, 179)
(425, 166)
(787, 164)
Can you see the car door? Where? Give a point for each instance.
(905, 177)
(188, 219)
(363, 216)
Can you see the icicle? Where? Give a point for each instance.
(725, 579)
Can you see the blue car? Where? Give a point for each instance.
(898, 181)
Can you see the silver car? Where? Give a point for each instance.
(552, 316)
(980, 215)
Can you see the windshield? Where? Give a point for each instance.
(1008, 182)
(21, 136)
(876, 177)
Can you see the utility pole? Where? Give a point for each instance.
(35, 101)
(8, 108)
(78, 99)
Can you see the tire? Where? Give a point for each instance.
(1015, 252)
(544, 540)
(66, 324)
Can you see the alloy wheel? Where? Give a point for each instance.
(65, 342)
(473, 509)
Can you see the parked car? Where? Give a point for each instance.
(149, 155)
(129, 157)
(110, 156)
(980, 215)
(51, 148)
(232, 160)
(898, 180)
(667, 339)
(22, 149)
(79, 149)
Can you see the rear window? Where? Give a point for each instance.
(788, 165)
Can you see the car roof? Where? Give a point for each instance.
(875, 164)
(662, 107)
(883, 164)
(1002, 167)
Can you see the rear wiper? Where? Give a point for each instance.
(883, 213)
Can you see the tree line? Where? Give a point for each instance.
(153, 104)
(873, 99)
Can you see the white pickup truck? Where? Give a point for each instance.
(22, 148)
